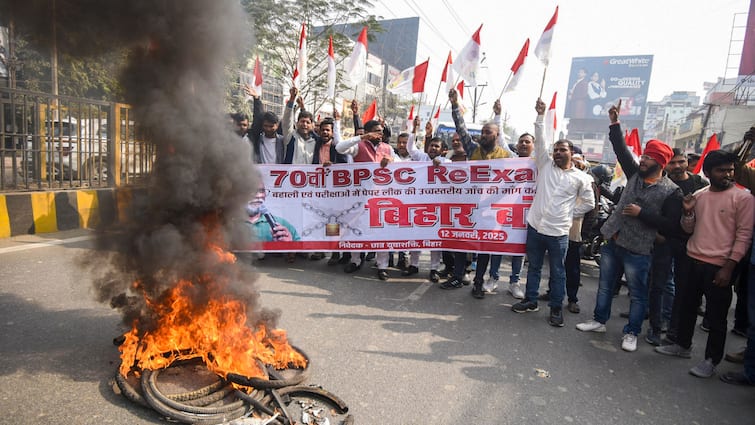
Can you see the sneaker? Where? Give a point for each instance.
(466, 280)
(446, 271)
(556, 317)
(317, 256)
(477, 291)
(334, 259)
(704, 326)
(516, 291)
(739, 332)
(351, 267)
(408, 271)
(736, 378)
(434, 276)
(452, 283)
(382, 274)
(653, 337)
(573, 307)
(591, 326)
(544, 297)
(525, 307)
(704, 369)
(490, 285)
(345, 259)
(629, 342)
(738, 357)
(675, 350)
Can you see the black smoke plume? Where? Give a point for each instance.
(175, 82)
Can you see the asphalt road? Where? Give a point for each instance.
(397, 352)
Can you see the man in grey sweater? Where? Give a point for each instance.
(650, 204)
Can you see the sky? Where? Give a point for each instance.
(689, 40)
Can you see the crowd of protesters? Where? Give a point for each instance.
(674, 238)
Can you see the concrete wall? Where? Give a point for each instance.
(46, 212)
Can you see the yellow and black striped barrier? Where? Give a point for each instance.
(47, 212)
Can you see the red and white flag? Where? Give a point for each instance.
(356, 66)
(300, 73)
(436, 118)
(410, 80)
(543, 47)
(632, 140)
(550, 121)
(517, 69)
(410, 119)
(331, 70)
(468, 60)
(448, 74)
(711, 146)
(258, 75)
(460, 89)
(370, 113)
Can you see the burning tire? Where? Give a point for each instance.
(278, 378)
(302, 402)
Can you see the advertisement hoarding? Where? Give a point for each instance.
(596, 83)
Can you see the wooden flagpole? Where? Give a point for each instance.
(542, 84)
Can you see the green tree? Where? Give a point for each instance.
(276, 25)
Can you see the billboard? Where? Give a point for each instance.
(596, 83)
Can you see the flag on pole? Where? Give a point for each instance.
(410, 80)
(370, 113)
(460, 89)
(258, 75)
(300, 72)
(356, 66)
(448, 74)
(410, 119)
(712, 145)
(550, 120)
(436, 118)
(543, 47)
(468, 60)
(632, 140)
(517, 68)
(331, 70)
(633, 143)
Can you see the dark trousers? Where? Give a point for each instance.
(660, 270)
(482, 266)
(572, 264)
(679, 252)
(741, 321)
(699, 281)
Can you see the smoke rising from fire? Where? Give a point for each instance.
(175, 83)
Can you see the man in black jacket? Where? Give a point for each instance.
(650, 203)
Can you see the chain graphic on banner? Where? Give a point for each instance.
(332, 222)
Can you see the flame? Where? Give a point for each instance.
(215, 330)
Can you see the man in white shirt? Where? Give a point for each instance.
(559, 185)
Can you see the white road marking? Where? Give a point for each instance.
(45, 244)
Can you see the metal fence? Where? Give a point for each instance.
(59, 142)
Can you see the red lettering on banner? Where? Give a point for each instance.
(511, 215)
(392, 211)
(382, 176)
(480, 173)
(404, 175)
(280, 177)
(361, 174)
(341, 178)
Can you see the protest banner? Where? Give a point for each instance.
(477, 206)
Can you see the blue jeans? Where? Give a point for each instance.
(516, 267)
(636, 267)
(495, 265)
(537, 244)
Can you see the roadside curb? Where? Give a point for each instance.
(47, 212)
